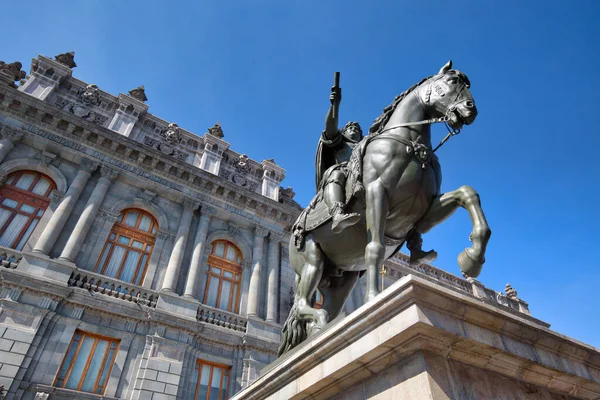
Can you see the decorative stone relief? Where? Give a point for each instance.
(89, 99)
(242, 164)
(165, 148)
(260, 232)
(90, 95)
(41, 396)
(234, 231)
(56, 196)
(47, 158)
(107, 172)
(10, 134)
(146, 195)
(171, 133)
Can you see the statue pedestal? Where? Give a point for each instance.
(419, 340)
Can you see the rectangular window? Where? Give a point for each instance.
(88, 362)
(211, 381)
(222, 287)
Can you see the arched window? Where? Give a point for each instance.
(23, 199)
(224, 273)
(128, 248)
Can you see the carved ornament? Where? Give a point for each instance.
(67, 59)
(139, 93)
(216, 130)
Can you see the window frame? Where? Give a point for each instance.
(119, 229)
(225, 371)
(40, 202)
(105, 363)
(318, 300)
(225, 266)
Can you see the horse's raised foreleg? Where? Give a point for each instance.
(471, 259)
(376, 214)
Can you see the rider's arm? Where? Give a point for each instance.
(331, 136)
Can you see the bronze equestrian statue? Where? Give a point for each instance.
(375, 194)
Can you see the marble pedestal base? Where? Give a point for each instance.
(418, 340)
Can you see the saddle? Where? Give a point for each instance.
(317, 212)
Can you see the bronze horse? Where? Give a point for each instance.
(400, 195)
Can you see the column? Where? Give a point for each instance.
(174, 266)
(257, 255)
(273, 277)
(195, 272)
(9, 138)
(88, 215)
(63, 211)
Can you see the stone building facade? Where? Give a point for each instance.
(140, 260)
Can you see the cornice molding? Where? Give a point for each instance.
(91, 136)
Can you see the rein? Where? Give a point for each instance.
(451, 132)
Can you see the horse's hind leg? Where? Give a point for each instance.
(336, 294)
(471, 259)
(376, 214)
(310, 276)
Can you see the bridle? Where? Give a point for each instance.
(444, 119)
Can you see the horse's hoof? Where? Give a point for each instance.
(469, 264)
(370, 296)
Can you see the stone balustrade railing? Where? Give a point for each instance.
(435, 273)
(112, 287)
(470, 286)
(222, 318)
(10, 258)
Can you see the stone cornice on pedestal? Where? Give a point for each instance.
(201, 184)
(210, 140)
(414, 315)
(139, 106)
(46, 63)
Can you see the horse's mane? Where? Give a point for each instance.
(380, 122)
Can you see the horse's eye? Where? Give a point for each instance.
(452, 80)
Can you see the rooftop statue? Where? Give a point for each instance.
(375, 194)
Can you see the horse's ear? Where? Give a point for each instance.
(446, 67)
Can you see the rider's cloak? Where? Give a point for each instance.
(327, 150)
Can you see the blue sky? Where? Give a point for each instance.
(264, 70)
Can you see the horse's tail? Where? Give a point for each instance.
(294, 329)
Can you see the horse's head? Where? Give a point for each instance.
(447, 94)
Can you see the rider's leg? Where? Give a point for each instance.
(414, 242)
(334, 196)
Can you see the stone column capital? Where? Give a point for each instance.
(189, 204)
(108, 173)
(88, 165)
(208, 211)
(10, 134)
(56, 196)
(260, 232)
(109, 216)
(276, 237)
